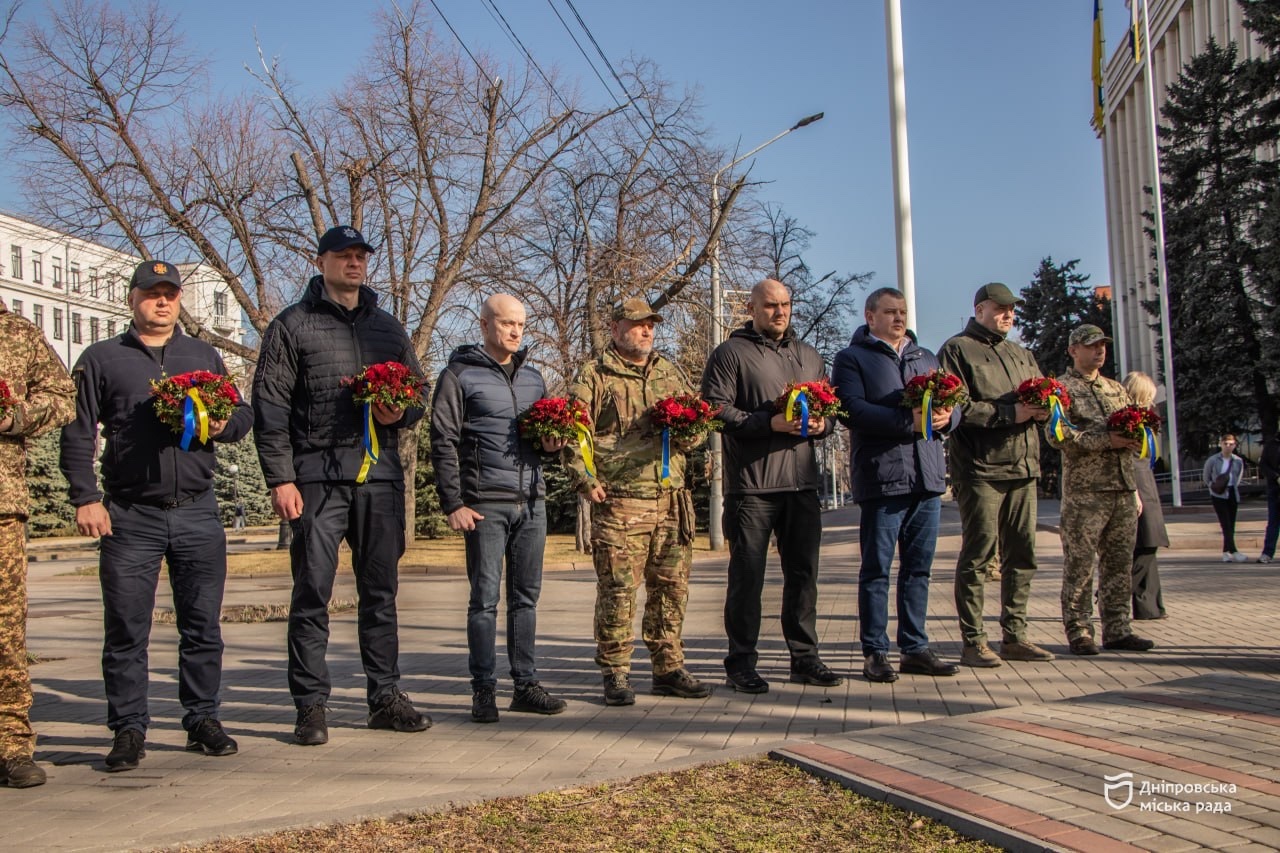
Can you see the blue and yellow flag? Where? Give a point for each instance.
(1135, 31)
(1099, 55)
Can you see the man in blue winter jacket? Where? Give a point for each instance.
(490, 483)
(898, 477)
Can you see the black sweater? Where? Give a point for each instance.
(142, 460)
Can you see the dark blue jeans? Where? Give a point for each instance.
(907, 524)
(371, 518)
(191, 540)
(514, 533)
(1273, 519)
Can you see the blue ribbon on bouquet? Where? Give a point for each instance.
(666, 456)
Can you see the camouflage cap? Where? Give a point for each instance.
(636, 308)
(1088, 335)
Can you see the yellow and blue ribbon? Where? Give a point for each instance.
(1150, 447)
(195, 419)
(666, 456)
(926, 414)
(1058, 423)
(799, 397)
(587, 447)
(371, 449)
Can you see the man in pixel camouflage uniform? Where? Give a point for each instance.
(1099, 503)
(44, 399)
(641, 528)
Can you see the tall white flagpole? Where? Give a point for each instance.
(901, 168)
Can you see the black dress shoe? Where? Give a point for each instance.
(926, 662)
(876, 667)
(747, 681)
(814, 672)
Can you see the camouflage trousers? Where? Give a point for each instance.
(636, 540)
(1097, 527)
(17, 740)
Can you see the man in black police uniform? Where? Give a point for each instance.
(310, 434)
(159, 502)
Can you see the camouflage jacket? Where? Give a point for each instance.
(44, 397)
(1089, 462)
(628, 447)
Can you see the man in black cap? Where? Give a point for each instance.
(159, 503)
(995, 464)
(310, 434)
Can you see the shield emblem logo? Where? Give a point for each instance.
(1118, 790)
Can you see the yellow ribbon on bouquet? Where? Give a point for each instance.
(587, 447)
(798, 396)
(195, 419)
(1150, 446)
(371, 449)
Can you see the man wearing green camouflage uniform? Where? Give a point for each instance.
(1099, 503)
(641, 526)
(43, 399)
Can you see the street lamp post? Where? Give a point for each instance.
(715, 444)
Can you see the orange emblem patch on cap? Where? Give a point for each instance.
(160, 269)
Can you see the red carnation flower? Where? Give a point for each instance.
(390, 383)
(947, 391)
(687, 416)
(820, 396)
(553, 417)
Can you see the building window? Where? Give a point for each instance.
(37, 316)
(220, 304)
(57, 272)
(93, 282)
(95, 330)
(111, 290)
(15, 262)
(37, 267)
(57, 324)
(111, 328)
(76, 336)
(73, 277)
(17, 307)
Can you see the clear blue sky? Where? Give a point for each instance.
(1004, 166)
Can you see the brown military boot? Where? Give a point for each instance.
(21, 773)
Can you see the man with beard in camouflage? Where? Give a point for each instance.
(43, 399)
(1099, 501)
(641, 526)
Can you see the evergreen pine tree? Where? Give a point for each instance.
(1221, 297)
(51, 511)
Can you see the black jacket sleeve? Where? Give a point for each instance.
(80, 437)
(720, 388)
(273, 385)
(447, 417)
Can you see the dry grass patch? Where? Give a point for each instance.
(754, 806)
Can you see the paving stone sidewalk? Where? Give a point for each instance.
(994, 735)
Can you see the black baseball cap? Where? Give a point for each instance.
(341, 237)
(150, 273)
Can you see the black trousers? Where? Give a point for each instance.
(1226, 509)
(370, 517)
(191, 540)
(749, 523)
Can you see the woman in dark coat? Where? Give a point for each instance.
(1148, 602)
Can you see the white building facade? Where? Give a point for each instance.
(76, 291)
(1179, 30)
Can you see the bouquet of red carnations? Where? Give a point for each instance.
(1139, 422)
(806, 400)
(7, 403)
(390, 384)
(553, 417)
(187, 402)
(1044, 392)
(819, 399)
(935, 388)
(686, 416)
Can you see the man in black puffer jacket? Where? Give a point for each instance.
(310, 434)
(491, 488)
